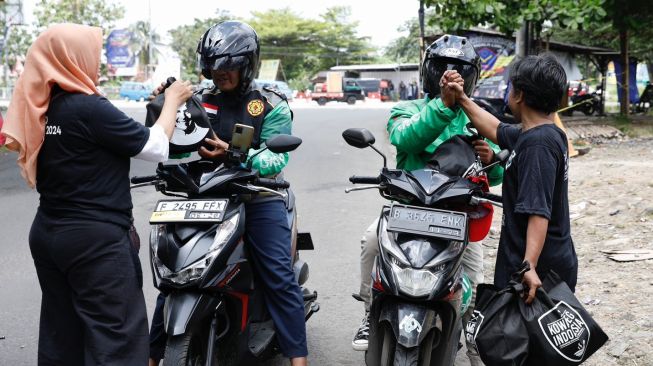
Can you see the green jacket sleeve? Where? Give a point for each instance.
(278, 121)
(413, 126)
(495, 174)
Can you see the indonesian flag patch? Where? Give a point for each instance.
(210, 108)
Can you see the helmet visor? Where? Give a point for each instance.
(225, 63)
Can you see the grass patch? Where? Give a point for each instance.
(635, 126)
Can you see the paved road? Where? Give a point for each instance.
(318, 171)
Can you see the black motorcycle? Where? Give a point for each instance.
(419, 287)
(215, 312)
(588, 104)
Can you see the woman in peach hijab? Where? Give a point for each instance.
(75, 147)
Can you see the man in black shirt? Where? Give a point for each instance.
(535, 227)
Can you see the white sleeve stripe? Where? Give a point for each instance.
(157, 147)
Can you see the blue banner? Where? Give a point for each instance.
(118, 53)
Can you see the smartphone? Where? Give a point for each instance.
(241, 138)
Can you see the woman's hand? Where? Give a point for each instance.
(179, 92)
(219, 148)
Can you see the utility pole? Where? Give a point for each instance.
(149, 43)
(10, 20)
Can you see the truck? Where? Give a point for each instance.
(337, 88)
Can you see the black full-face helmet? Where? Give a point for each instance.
(450, 53)
(230, 45)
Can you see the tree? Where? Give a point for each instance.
(96, 13)
(627, 26)
(143, 42)
(406, 48)
(293, 40)
(185, 39)
(339, 40)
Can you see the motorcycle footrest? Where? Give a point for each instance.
(310, 297)
(310, 310)
(260, 337)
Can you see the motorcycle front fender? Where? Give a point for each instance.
(186, 311)
(410, 323)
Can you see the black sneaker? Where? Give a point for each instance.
(360, 339)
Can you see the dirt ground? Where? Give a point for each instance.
(610, 202)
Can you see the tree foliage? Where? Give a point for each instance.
(509, 15)
(143, 38)
(98, 13)
(406, 47)
(303, 45)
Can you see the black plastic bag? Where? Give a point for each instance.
(555, 330)
(561, 331)
(454, 156)
(497, 328)
(192, 123)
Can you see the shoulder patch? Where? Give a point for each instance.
(273, 95)
(255, 107)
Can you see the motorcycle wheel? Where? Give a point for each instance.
(185, 350)
(589, 110)
(387, 347)
(406, 356)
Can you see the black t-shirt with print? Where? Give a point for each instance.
(535, 182)
(83, 165)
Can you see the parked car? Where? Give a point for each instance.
(281, 85)
(130, 90)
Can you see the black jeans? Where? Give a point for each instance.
(92, 308)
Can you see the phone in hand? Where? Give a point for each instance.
(241, 138)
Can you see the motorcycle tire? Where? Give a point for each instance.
(406, 356)
(185, 350)
(588, 111)
(387, 347)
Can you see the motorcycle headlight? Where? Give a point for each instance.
(189, 273)
(195, 270)
(415, 282)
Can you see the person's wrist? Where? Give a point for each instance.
(531, 263)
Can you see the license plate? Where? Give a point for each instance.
(429, 222)
(189, 211)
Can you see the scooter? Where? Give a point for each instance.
(215, 313)
(419, 288)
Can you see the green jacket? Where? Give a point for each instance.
(278, 121)
(418, 127)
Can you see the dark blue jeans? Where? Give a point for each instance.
(268, 238)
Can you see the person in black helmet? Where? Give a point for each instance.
(416, 129)
(229, 55)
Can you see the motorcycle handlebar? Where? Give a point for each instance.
(493, 197)
(272, 183)
(364, 180)
(144, 179)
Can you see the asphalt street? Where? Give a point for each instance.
(318, 172)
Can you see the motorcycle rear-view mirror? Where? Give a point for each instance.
(358, 137)
(283, 143)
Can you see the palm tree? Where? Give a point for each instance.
(143, 38)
